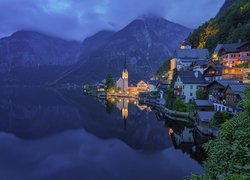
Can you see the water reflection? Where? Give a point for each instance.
(183, 135)
(61, 134)
(123, 103)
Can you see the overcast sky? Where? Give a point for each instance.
(77, 19)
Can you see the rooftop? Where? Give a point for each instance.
(234, 47)
(238, 88)
(203, 103)
(206, 116)
(191, 53)
(189, 77)
(153, 82)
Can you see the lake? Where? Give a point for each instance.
(57, 134)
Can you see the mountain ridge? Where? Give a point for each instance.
(146, 43)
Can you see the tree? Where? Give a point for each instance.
(110, 84)
(220, 118)
(229, 154)
(119, 89)
(179, 105)
(110, 107)
(201, 94)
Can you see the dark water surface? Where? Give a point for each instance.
(51, 134)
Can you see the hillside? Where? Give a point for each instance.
(230, 25)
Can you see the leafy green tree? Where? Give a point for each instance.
(110, 84)
(119, 89)
(179, 105)
(201, 94)
(229, 154)
(110, 107)
(228, 27)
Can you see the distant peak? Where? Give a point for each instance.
(150, 16)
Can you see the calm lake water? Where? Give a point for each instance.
(51, 134)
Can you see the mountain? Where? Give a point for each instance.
(28, 56)
(226, 4)
(145, 43)
(31, 49)
(230, 25)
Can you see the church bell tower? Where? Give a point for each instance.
(125, 77)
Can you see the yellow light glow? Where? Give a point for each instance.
(170, 131)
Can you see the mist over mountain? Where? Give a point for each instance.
(145, 43)
(29, 57)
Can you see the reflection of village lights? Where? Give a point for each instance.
(170, 131)
(124, 113)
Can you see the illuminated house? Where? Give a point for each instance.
(201, 65)
(122, 82)
(142, 86)
(187, 83)
(213, 72)
(232, 55)
(185, 44)
(219, 72)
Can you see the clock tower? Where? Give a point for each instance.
(124, 78)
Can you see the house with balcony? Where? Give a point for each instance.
(187, 83)
(220, 72)
(233, 55)
(213, 72)
(233, 94)
(216, 93)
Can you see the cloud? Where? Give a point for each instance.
(77, 19)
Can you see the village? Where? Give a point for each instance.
(207, 88)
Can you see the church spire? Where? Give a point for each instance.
(125, 63)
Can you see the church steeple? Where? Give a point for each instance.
(125, 63)
(125, 71)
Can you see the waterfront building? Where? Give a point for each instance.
(122, 82)
(142, 86)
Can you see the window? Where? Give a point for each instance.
(183, 87)
(191, 86)
(191, 94)
(248, 54)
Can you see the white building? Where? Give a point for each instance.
(187, 83)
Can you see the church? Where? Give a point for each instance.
(122, 82)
